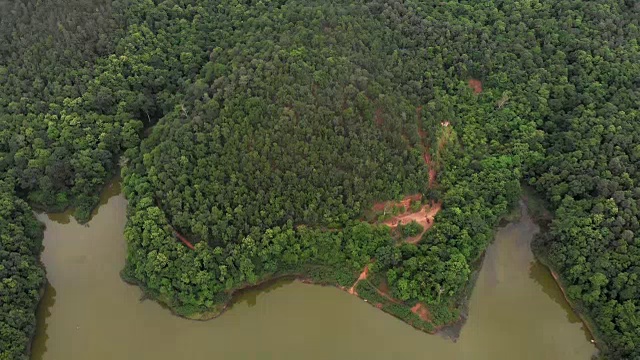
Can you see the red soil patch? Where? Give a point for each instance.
(476, 85)
(176, 233)
(422, 312)
(425, 217)
(432, 169)
(419, 309)
(420, 217)
(184, 240)
(363, 276)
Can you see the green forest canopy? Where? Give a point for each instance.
(278, 123)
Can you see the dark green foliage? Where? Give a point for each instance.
(266, 132)
(21, 274)
(310, 129)
(53, 149)
(280, 122)
(54, 133)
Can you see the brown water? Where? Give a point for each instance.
(88, 313)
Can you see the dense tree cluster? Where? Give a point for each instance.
(280, 122)
(297, 146)
(591, 172)
(316, 117)
(60, 133)
(21, 274)
(52, 151)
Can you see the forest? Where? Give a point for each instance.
(264, 132)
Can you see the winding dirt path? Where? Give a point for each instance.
(425, 217)
(422, 312)
(184, 240)
(363, 276)
(432, 169)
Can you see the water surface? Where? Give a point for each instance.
(516, 310)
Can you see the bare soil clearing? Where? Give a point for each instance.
(422, 312)
(384, 292)
(476, 85)
(424, 217)
(432, 169)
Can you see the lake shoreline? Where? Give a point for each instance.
(227, 305)
(450, 330)
(222, 308)
(85, 264)
(41, 292)
(541, 216)
(584, 318)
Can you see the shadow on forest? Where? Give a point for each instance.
(112, 189)
(250, 295)
(39, 344)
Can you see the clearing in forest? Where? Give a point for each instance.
(424, 217)
(422, 311)
(382, 290)
(432, 169)
(476, 85)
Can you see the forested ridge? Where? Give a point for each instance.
(278, 125)
(51, 154)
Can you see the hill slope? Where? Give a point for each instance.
(279, 125)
